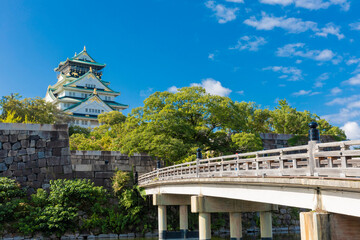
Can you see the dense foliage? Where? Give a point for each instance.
(173, 125)
(74, 206)
(14, 109)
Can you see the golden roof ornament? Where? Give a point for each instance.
(75, 54)
(90, 69)
(95, 92)
(84, 48)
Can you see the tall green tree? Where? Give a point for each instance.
(30, 110)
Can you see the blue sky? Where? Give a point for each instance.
(306, 51)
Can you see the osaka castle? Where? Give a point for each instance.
(81, 92)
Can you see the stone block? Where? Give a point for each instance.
(12, 153)
(9, 160)
(83, 168)
(7, 173)
(65, 160)
(36, 170)
(101, 168)
(4, 138)
(33, 157)
(32, 143)
(53, 161)
(7, 146)
(67, 169)
(41, 162)
(41, 155)
(25, 143)
(16, 146)
(56, 151)
(32, 177)
(13, 138)
(34, 136)
(30, 150)
(21, 179)
(105, 175)
(63, 135)
(58, 169)
(65, 151)
(21, 165)
(22, 136)
(3, 167)
(99, 181)
(84, 175)
(22, 152)
(40, 143)
(3, 153)
(48, 153)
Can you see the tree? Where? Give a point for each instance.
(30, 110)
(247, 142)
(173, 125)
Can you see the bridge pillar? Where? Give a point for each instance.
(235, 226)
(265, 225)
(162, 222)
(183, 212)
(204, 226)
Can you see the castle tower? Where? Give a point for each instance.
(81, 92)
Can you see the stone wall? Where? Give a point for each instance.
(273, 140)
(34, 154)
(99, 166)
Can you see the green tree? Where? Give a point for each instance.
(247, 142)
(31, 110)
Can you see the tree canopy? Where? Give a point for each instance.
(30, 110)
(172, 126)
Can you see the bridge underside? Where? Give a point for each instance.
(328, 195)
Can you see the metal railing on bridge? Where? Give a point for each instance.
(334, 159)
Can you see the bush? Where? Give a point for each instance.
(11, 202)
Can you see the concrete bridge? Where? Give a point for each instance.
(321, 177)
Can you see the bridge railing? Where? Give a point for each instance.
(335, 159)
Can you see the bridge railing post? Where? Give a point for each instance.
(198, 157)
(314, 138)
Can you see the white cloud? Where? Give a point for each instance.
(331, 29)
(310, 4)
(235, 1)
(355, 26)
(211, 56)
(290, 73)
(354, 80)
(352, 130)
(251, 43)
(302, 93)
(354, 105)
(173, 89)
(343, 101)
(353, 60)
(213, 87)
(299, 50)
(222, 13)
(298, 61)
(240, 92)
(280, 2)
(292, 25)
(146, 93)
(343, 116)
(335, 91)
(320, 80)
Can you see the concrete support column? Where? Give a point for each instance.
(265, 226)
(162, 222)
(183, 219)
(235, 226)
(204, 226)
